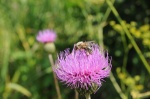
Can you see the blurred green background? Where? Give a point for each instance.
(121, 26)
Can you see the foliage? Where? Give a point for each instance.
(25, 71)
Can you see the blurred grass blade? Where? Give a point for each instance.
(22, 36)
(19, 88)
(16, 76)
(5, 36)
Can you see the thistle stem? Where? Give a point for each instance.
(76, 95)
(87, 96)
(55, 80)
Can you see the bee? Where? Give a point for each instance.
(87, 46)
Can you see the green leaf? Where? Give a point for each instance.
(19, 88)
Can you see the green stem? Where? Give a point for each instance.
(142, 95)
(103, 23)
(126, 50)
(118, 89)
(87, 96)
(76, 95)
(55, 79)
(100, 35)
(128, 35)
(107, 13)
(125, 59)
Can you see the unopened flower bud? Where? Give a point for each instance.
(49, 47)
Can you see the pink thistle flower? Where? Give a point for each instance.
(46, 36)
(81, 71)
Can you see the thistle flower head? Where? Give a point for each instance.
(46, 36)
(82, 71)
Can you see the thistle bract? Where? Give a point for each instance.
(81, 71)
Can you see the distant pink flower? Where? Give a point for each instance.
(46, 36)
(81, 71)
